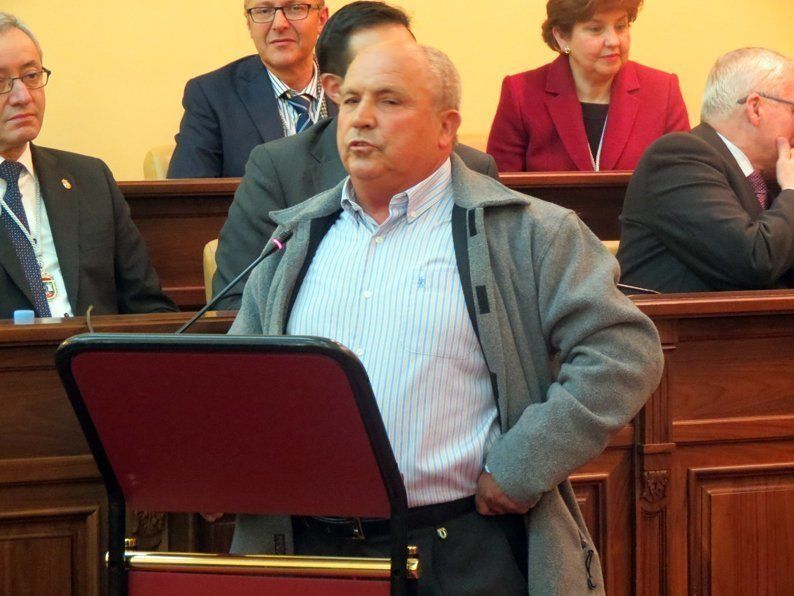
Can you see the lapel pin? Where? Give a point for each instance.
(66, 184)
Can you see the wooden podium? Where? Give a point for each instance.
(259, 425)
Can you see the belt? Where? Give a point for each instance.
(357, 528)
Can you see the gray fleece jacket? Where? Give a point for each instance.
(573, 359)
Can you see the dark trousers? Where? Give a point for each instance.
(470, 554)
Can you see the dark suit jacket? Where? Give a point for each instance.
(101, 253)
(228, 112)
(691, 222)
(281, 174)
(539, 127)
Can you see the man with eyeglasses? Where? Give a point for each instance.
(272, 94)
(288, 171)
(713, 209)
(66, 237)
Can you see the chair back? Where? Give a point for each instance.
(156, 160)
(209, 266)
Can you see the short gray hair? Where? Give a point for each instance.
(447, 80)
(739, 73)
(9, 21)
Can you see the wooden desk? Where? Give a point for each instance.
(695, 496)
(715, 485)
(178, 217)
(702, 501)
(52, 501)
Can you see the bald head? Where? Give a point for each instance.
(441, 76)
(398, 116)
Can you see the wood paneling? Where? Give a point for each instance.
(52, 500)
(742, 530)
(178, 217)
(717, 447)
(604, 490)
(696, 496)
(50, 552)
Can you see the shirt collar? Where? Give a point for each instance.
(741, 159)
(312, 89)
(420, 197)
(26, 159)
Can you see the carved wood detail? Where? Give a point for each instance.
(655, 486)
(148, 528)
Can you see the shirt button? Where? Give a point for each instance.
(379, 240)
(367, 294)
(359, 352)
(412, 214)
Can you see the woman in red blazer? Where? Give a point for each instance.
(591, 108)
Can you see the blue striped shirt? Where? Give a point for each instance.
(393, 295)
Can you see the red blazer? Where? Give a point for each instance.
(539, 126)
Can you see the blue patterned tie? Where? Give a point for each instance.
(301, 104)
(10, 171)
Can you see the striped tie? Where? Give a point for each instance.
(10, 171)
(301, 103)
(759, 188)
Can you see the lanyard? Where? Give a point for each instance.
(34, 243)
(597, 160)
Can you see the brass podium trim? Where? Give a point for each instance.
(272, 565)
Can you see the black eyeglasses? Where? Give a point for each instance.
(291, 12)
(32, 80)
(765, 96)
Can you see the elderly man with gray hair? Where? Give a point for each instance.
(457, 294)
(67, 241)
(714, 209)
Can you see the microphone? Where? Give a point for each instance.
(273, 245)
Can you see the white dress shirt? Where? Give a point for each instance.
(393, 295)
(744, 162)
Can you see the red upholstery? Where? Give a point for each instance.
(144, 583)
(271, 466)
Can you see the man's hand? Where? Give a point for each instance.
(211, 517)
(490, 499)
(785, 165)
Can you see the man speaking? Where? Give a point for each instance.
(457, 294)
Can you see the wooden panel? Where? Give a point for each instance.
(52, 501)
(696, 496)
(725, 401)
(604, 490)
(49, 552)
(719, 376)
(597, 197)
(178, 217)
(742, 530)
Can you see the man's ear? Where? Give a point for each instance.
(752, 109)
(332, 85)
(323, 17)
(450, 123)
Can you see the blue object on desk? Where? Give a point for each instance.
(24, 317)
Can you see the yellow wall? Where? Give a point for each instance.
(120, 67)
